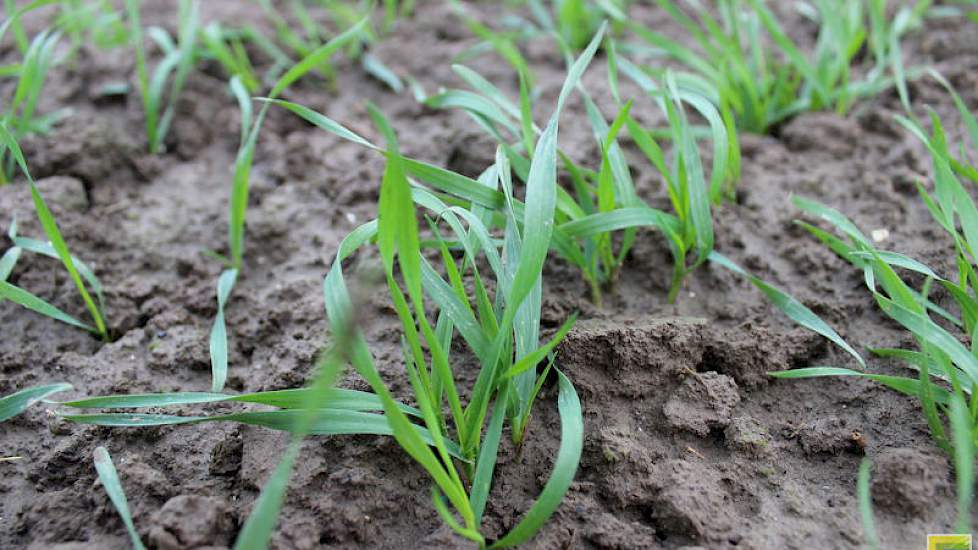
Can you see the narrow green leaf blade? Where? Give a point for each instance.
(565, 467)
(17, 402)
(218, 343)
(109, 477)
(791, 307)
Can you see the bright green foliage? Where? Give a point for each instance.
(95, 21)
(56, 247)
(240, 189)
(17, 402)
(941, 356)
(299, 33)
(227, 48)
(605, 200)
(576, 21)
(689, 227)
(109, 477)
(159, 101)
(20, 114)
(947, 369)
(502, 332)
(866, 504)
(766, 79)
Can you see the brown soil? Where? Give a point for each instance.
(688, 443)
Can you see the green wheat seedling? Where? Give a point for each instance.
(311, 404)
(109, 476)
(250, 130)
(20, 114)
(765, 82)
(503, 333)
(576, 21)
(97, 22)
(302, 34)
(605, 200)
(947, 369)
(689, 227)
(159, 100)
(55, 247)
(227, 47)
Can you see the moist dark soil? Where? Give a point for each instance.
(689, 444)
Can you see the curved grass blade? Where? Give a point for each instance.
(325, 422)
(317, 57)
(377, 69)
(24, 298)
(17, 402)
(531, 359)
(189, 18)
(109, 477)
(565, 467)
(46, 249)
(909, 386)
(53, 233)
(621, 218)
(260, 525)
(240, 93)
(488, 451)
(7, 263)
(791, 307)
(14, 19)
(920, 325)
(964, 460)
(338, 398)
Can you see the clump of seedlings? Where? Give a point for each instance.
(741, 57)
(947, 369)
(19, 115)
(159, 100)
(462, 258)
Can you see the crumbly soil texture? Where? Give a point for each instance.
(688, 444)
